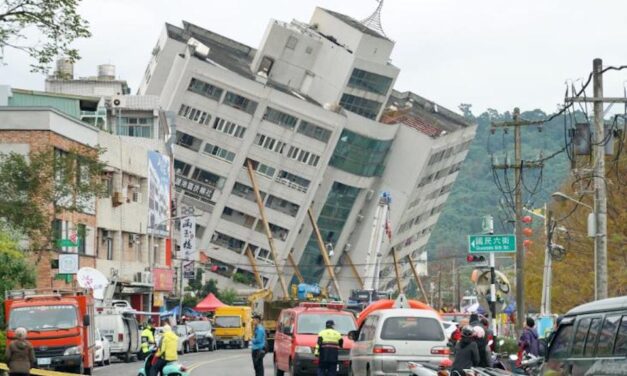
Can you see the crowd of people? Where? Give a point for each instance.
(473, 343)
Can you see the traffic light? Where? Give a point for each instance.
(475, 258)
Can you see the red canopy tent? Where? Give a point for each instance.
(209, 304)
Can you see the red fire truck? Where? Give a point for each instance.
(58, 324)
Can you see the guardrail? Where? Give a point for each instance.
(4, 370)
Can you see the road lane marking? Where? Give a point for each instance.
(196, 365)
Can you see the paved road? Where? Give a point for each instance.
(221, 362)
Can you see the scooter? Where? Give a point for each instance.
(170, 369)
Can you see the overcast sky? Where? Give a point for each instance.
(490, 53)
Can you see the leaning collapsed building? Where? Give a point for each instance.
(314, 110)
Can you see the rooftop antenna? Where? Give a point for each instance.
(374, 21)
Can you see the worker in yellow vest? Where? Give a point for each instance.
(330, 342)
(147, 340)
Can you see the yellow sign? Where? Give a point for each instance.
(157, 299)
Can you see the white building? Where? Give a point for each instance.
(306, 109)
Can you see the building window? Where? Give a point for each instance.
(368, 81)
(182, 168)
(228, 242)
(136, 127)
(280, 118)
(188, 141)
(195, 115)
(239, 102)
(331, 221)
(360, 155)
(361, 106)
(314, 131)
(81, 232)
(293, 181)
(205, 89)
(263, 169)
(303, 156)
(219, 152)
(269, 143)
(266, 65)
(207, 177)
(229, 128)
(291, 43)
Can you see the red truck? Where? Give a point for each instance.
(59, 326)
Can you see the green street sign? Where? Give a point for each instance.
(66, 243)
(491, 243)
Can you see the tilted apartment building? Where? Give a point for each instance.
(314, 110)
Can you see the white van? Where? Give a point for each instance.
(120, 327)
(391, 338)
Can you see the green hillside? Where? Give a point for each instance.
(475, 193)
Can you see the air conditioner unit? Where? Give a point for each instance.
(146, 277)
(360, 217)
(117, 199)
(106, 234)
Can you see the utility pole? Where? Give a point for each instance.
(518, 166)
(600, 193)
(598, 176)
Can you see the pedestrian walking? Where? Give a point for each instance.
(466, 353)
(258, 345)
(20, 355)
(528, 342)
(482, 345)
(328, 347)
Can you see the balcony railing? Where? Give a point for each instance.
(290, 184)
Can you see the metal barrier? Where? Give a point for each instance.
(4, 370)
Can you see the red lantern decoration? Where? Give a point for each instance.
(527, 219)
(527, 243)
(527, 231)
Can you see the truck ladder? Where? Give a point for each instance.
(266, 226)
(324, 253)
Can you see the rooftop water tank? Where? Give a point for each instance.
(65, 68)
(106, 72)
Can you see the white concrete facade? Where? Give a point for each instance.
(331, 73)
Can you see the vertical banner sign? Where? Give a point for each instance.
(189, 271)
(188, 239)
(158, 193)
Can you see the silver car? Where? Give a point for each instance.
(389, 339)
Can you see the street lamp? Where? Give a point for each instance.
(592, 232)
(559, 196)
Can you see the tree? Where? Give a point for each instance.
(56, 21)
(15, 272)
(228, 296)
(38, 188)
(573, 275)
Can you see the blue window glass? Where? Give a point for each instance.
(372, 82)
(331, 221)
(360, 155)
(360, 106)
